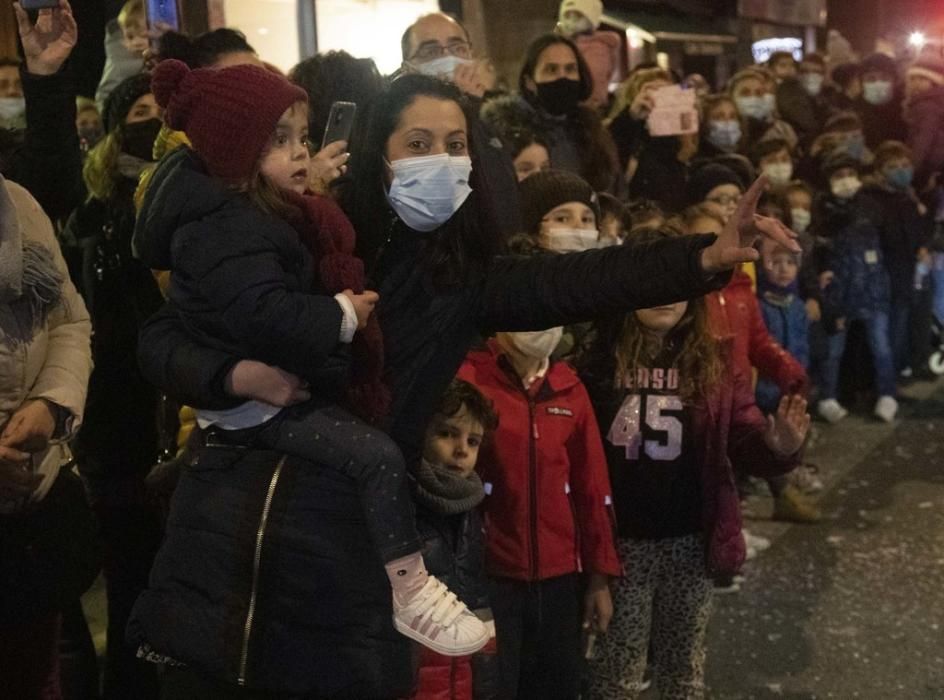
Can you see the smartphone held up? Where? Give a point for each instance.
(39, 4)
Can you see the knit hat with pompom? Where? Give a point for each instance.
(228, 114)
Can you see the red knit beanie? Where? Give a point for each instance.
(228, 114)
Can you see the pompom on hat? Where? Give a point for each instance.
(228, 114)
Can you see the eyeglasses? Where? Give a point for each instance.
(725, 199)
(431, 51)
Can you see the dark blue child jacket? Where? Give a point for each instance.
(861, 287)
(785, 316)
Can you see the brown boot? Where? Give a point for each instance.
(792, 506)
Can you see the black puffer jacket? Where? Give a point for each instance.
(454, 552)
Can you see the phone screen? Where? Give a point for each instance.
(340, 123)
(163, 13)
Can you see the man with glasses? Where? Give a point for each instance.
(439, 46)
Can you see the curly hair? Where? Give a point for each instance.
(696, 352)
(459, 396)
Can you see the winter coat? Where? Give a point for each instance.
(44, 332)
(118, 443)
(733, 313)
(548, 506)
(798, 109)
(728, 432)
(658, 175)
(120, 64)
(861, 285)
(46, 158)
(784, 315)
(903, 232)
(882, 123)
(329, 636)
(601, 52)
(241, 278)
(924, 115)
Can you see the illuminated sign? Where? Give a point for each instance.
(763, 49)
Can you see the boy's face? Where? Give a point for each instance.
(781, 266)
(784, 67)
(134, 37)
(454, 441)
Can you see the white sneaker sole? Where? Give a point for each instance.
(439, 647)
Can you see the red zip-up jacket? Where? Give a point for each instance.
(548, 510)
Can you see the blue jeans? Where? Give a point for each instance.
(879, 344)
(900, 333)
(937, 284)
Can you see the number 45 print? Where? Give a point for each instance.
(637, 410)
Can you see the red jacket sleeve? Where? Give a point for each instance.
(747, 448)
(770, 359)
(591, 492)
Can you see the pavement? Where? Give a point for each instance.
(852, 607)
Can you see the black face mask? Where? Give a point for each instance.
(138, 138)
(559, 97)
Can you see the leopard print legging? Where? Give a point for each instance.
(665, 594)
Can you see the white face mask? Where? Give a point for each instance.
(12, 107)
(812, 83)
(426, 191)
(538, 345)
(779, 174)
(754, 107)
(570, 240)
(443, 67)
(845, 187)
(800, 219)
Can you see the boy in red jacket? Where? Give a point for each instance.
(548, 513)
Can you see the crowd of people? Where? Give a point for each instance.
(464, 405)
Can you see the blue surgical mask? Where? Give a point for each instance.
(443, 67)
(854, 146)
(877, 92)
(754, 107)
(724, 135)
(812, 83)
(427, 191)
(900, 178)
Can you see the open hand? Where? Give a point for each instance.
(787, 428)
(735, 245)
(48, 43)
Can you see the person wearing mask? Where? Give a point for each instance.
(860, 285)
(579, 21)
(552, 84)
(118, 442)
(905, 236)
(753, 93)
(846, 87)
(794, 104)
(880, 105)
(46, 158)
(549, 548)
(437, 45)
(441, 284)
(847, 129)
(88, 122)
(924, 114)
(12, 102)
(721, 130)
(50, 555)
(772, 158)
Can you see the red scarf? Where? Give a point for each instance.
(330, 237)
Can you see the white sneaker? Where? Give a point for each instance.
(435, 618)
(886, 408)
(831, 411)
(756, 542)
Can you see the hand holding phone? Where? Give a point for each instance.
(340, 123)
(162, 16)
(47, 43)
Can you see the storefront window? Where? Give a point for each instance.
(271, 26)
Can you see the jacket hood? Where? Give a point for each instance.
(180, 192)
(560, 376)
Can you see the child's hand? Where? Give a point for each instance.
(598, 605)
(736, 243)
(250, 379)
(363, 305)
(813, 311)
(787, 428)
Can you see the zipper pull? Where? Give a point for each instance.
(534, 425)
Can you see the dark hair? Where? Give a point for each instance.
(465, 244)
(814, 57)
(407, 38)
(612, 206)
(515, 140)
(890, 150)
(777, 55)
(599, 161)
(204, 50)
(845, 73)
(460, 394)
(334, 76)
(768, 147)
(533, 55)
(843, 121)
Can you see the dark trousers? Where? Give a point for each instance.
(331, 437)
(29, 659)
(187, 684)
(537, 627)
(132, 535)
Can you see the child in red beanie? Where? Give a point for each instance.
(225, 218)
